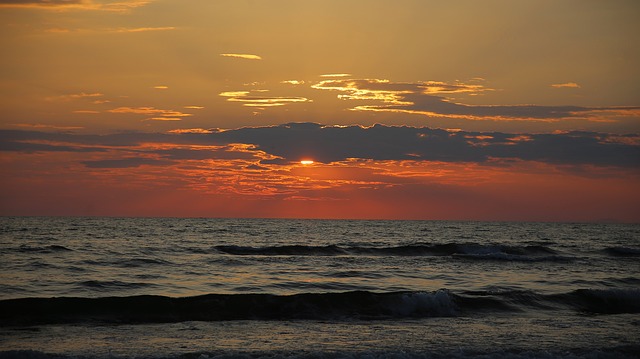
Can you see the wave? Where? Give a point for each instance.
(461, 250)
(111, 285)
(223, 307)
(622, 251)
(604, 301)
(142, 262)
(44, 249)
(355, 305)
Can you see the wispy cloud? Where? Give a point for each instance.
(191, 131)
(429, 99)
(40, 126)
(117, 30)
(292, 82)
(261, 101)
(157, 114)
(243, 56)
(141, 29)
(86, 111)
(125, 163)
(77, 96)
(566, 85)
(59, 5)
(85, 95)
(336, 75)
(164, 119)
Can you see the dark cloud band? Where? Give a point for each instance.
(296, 141)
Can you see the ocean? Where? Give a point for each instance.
(280, 288)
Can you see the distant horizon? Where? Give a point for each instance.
(322, 219)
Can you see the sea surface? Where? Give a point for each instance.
(275, 288)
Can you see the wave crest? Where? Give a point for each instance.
(460, 250)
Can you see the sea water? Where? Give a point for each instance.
(253, 288)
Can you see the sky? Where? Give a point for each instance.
(493, 110)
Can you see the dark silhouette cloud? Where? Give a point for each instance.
(296, 141)
(124, 163)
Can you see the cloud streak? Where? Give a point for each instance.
(243, 56)
(105, 5)
(118, 30)
(157, 114)
(77, 96)
(142, 29)
(566, 85)
(248, 100)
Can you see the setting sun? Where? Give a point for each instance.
(306, 162)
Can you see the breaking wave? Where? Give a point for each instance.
(356, 305)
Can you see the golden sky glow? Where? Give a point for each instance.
(497, 109)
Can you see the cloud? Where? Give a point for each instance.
(292, 82)
(102, 5)
(336, 75)
(383, 169)
(157, 114)
(43, 3)
(85, 95)
(261, 101)
(228, 152)
(428, 98)
(125, 163)
(295, 141)
(77, 96)
(42, 142)
(243, 56)
(375, 172)
(86, 111)
(566, 85)
(141, 29)
(164, 119)
(118, 30)
(234, 93)
(190, 130)
(288, 144)
(43, 126)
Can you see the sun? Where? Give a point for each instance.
(306, 162)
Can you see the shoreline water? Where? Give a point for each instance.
(495, 337)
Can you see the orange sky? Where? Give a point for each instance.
(493, 110)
